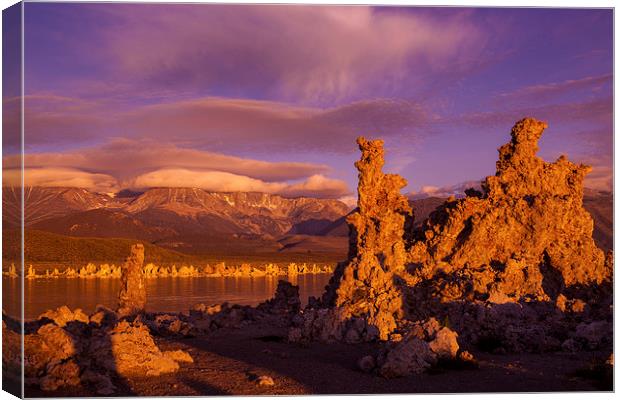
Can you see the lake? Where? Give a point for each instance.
(163, 294)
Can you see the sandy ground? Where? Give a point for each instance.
(229, 360)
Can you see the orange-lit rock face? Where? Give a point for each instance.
(132, 296)
(528, 230)
(366, 287)
(526, 237)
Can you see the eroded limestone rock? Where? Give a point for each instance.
(132, 296)
(285, 302)
(65, 347)
(365, 285)
(495, 264)
(423, 345)
(78, 353)
(407, 357)
(178, 325)
(527, 231)
(129, 350)
(63, 314)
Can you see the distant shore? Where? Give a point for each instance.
(152, 270)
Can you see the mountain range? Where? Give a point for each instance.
(197, 222)
(188, 220)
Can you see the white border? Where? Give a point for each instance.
(470, 3)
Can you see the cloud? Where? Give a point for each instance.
(125, 158)
(301, 52)
(602, 175)
(601, 178)
(223, 124)
(547, 91)
(50, 119)
(61, 177)
(315, 186)
(318, 186)
(596, 111)
(139, 164)
(237, 123)
(215, 181)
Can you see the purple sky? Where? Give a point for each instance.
(271, 98)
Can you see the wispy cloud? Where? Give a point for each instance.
(124, 158)
(235, 123)
(548, 91)
(301, 52)
(601, 178)
(301, 82)
(52, 119)
(223, 123)
(594, 111)
(61, 177)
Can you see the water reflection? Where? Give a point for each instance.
(164, 294)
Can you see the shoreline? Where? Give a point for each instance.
(150, 270)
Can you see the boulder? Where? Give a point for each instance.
(594, 335)
(265, 380)
(179, 356)
(407, 357)
(63, 314)
(445, 344)
(285, 301)
(129, 350)
(420, 347)
(58, 375)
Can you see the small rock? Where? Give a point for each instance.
(408, 357)
(466, 356)
(63, 315)
(65, 374)
(594, 334)
(445, 344)
(367, 363)
(265, 380)
(179, 356)
(396, 337)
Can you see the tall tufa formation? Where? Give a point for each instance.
(365, 285)
(525, 238)
(526, 235)
(132, 296)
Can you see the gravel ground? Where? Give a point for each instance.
(230, 361)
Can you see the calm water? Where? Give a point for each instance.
(163, 294)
